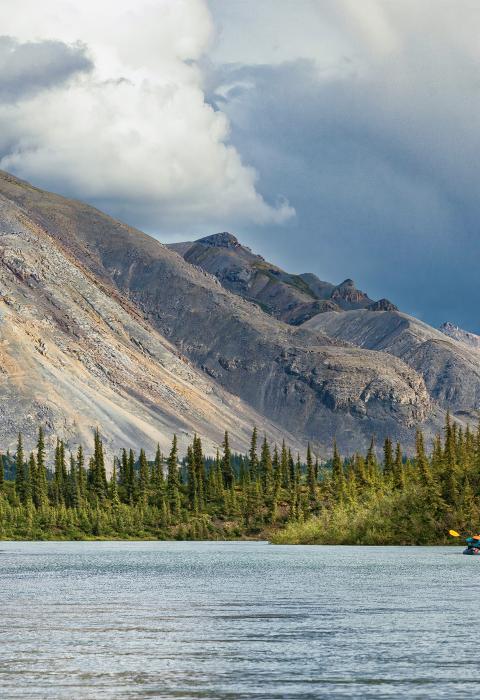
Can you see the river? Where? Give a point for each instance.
(233, 620)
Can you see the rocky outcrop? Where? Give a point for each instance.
(299, 379)
(382, 305)
(450, 368)
(457, 333)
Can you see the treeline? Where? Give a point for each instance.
(400, 501)
(229, 496)
(265, 493)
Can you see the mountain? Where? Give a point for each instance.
(453, 331)
(104, 324)
(290, 298)
(75, 353)
(451, 369)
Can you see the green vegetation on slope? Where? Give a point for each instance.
(266, 493)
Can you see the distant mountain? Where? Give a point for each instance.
(451, 370)
(459, 334)
(291, 298)
(104, 325)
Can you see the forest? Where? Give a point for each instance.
(267, 493)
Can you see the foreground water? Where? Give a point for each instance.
(236, 620)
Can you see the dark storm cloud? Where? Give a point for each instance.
(27, 68)
(382, 169)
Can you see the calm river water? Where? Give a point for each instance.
(237, 620)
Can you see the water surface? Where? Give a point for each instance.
(237, 620)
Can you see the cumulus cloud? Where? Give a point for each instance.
(130, 131)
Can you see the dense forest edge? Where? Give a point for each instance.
(265, 494)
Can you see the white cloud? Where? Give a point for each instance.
(135, 133)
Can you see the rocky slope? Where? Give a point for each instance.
(74, 355)
(296, 378)
(451, 369)
(457, 333)
(291, 298)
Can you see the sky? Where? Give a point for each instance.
(332, 136)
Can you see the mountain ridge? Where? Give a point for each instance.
(303, 382)
(289, 297)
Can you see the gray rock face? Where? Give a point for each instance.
(296, 378)
(450, 368)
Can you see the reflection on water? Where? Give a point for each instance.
(236, 620)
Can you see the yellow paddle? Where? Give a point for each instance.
(454, 533)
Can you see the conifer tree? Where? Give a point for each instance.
(266, 469)
(252, 455)
(311, 480)
(40, 485)
(99, 473)
(158, 468)
(338, 474)
(81, 475)
(227, 469)
(199, 468)
(388, 465)
(20, 470)
(131, 482)
(143, 474)
(114, 486)
(398, 476)
(421, 460)
(285, 470)
(192, 481)
(173, 485)
(371, 464)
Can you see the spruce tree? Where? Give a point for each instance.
(2, 473)
(388, 465)
(40, 486)
(284, 467)
(99, 473)
(398, 476)
(252, 456)
(311, 480)
(143, 481)
(113, 490)
(266, 469)
(227, 469)
(20, 470)
(192, 485)
(199, 468)
(173, 485)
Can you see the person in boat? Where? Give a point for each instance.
(473, 545)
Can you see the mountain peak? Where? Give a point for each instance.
(220, 240)
(346, 283)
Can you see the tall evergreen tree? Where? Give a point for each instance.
(173, 485)
(252, 455)
(20, 475)
(227, 469)
(2, 473)
(266, 469)
(311, 480)
(388, 464)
